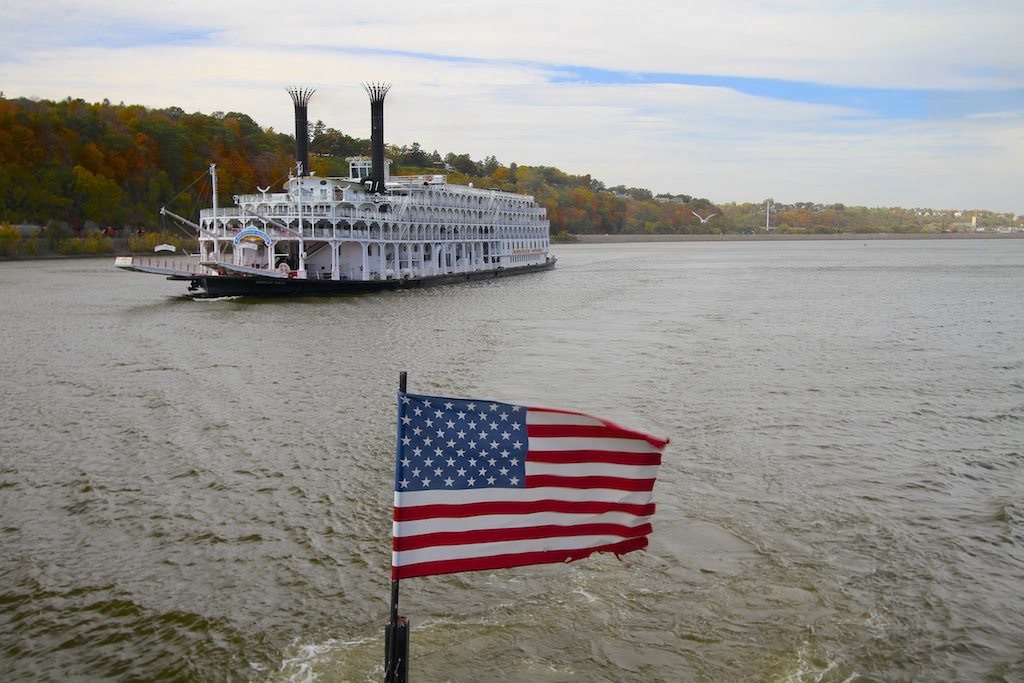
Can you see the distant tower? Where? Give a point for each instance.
(377, 93)
(300, 97)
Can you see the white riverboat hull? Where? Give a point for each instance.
(370, 231)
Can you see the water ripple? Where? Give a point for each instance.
(202, 490)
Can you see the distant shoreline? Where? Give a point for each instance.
(763, 237)
(624, 238)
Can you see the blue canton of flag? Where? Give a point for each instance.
(459, 444)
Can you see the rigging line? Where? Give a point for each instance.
(194, 207)
(176, 224)
(189, 187)
(195, 203)
(280, 181)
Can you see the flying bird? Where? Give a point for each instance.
(703, 220)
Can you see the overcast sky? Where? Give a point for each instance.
(914, 103)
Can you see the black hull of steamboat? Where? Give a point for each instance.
(218, 286)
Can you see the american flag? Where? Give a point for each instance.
(487, 485)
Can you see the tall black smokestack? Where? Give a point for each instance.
(300, 97)
(377, 92)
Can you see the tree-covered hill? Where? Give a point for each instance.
(103, 164)
(98, 166)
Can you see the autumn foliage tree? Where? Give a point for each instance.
(102, 164)
(91, 165)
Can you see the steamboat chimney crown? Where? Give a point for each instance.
(377, 93)
(300, 98)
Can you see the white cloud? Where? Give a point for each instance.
(499, 98)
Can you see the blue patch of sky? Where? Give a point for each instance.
(880, 102)
(131, 34)
(883, 103)
(93, 30)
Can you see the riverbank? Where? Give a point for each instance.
(624, 238)
(776, 237)
(30, 246)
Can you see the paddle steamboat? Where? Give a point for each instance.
(368, 232)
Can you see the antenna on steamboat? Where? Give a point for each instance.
(300, 97)
(377, 93)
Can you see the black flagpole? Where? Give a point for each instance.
(396, 633)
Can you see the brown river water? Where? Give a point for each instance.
(201, 490)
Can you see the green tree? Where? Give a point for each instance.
(97, 198)
(462, 163)
(10, 237)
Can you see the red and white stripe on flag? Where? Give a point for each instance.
(482, 485)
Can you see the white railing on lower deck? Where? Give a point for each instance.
(188, 264)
